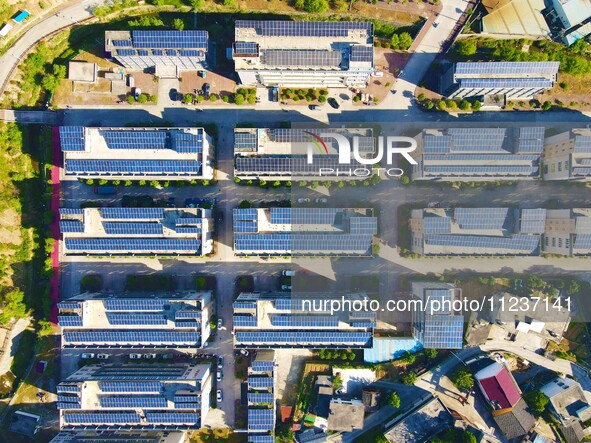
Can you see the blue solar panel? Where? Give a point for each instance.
(363, 324)
(138, 167)
(136, 401)
(62, 405)
(130, 386)
(183, 398)
(244, 320)
(334, 338)
(263, 366)
(483, 218)
(244, 305)
(304, 320)
(121, 43)
(482, 170)
(141, 337)
(132, 228)
(254, 397)
(101, 417)
(261, 419)
(193, 313)
(68, 398)
(71, 226)
(276, 28)
(68, 305)
(260, 382)
(187, 405)
(68, 388)
(71, 211)
(582, 241)
(137, 245)
(71, 138)
(173, 417)
(157, 213)
(187, 324)
(522, 243)
(506, 83)
(170, 39)
(246, 48)
(507, 68)
(125, 52)
(126, 304)
(261, 439)
(116, 318)
(69, 320)
(188, 221)
(128, 139)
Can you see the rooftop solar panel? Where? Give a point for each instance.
(518, 243)
(170, 39)
(246, 48)
(507, 68)
(173, 417)
(133, 167)
(72, 138)
(129, 336)
(302, 57)
(506, 83)
(136, 245)
(274, 28)
(133, 228)
(361, 54)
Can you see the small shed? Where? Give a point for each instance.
(24, 423)
(79, 71)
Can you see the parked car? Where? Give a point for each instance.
(377, 74)
(303, 200)
(102, 356)
(202, 74)
(321, 200)
(150, 355)
(333, 103)
(135, 356)
(313, 107)
(218, 395)
(288, 273)
(206, 88)
(220, 362)
(219, 376)
(220, 323)
(88, 355)
(286, 287)
(175, 95)
(244, 352)
(137, 92)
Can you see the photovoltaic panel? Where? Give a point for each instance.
(363, 225)
(302, 57)
(121, 43)
(245, 141)
(578, 171)
(361, 53)
(244, 305)
(262, 397)
(71, 226)
(276, 28)
(69, 320)
(116, 318)
(64, 387)
(187, 405)
(170, 39)
(583, 144)
(297, 321)
(130, 386)
(506, 83)
(71, 211)
(68, 305)
(245, 214)
(261, 419)
(517, 243)
(480, 140)
(471, 170)
(183, 398)
(193, 313)
(147, 245)
(436, 225)
(532, 132)
(101, 417)
(133, 228)
(507, 68)
(72, 138)
(500, 157)
(127, 336)
(246, 48)
(173, 417)
(139, 167)
(126, 304)
(482, 218)
(262, 366)
(302, 338)
(582, 224)
(125, 52)
(437, 144)
(533, 221)
(261, 438)
(280, 165)
(582, 241)
(135, 401)
(147, 213)
(63, 405)
(145, 139)
(443, 332)
(244, 320)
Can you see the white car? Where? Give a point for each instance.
(218, 395)
(220, 362)
(219, 376)
(286, 287)
(244, 352)
(288, 273)
(135, 356)
(150, 355)
(220, 323)
(303, 200)
(321, 200)
(377, 74)
(102, 356)
(87, 355)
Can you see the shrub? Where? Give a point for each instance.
(409, 378)
(213, 98)
(466, 47)
(441, 105)
(142, 99)
(239, 99)
(225, 98)
(178, 24)
(130, 99)
(462, 379)
(476, 105)
(322, 99)
(312, 6)
(395, 400)
(421, 97)
(546, 105)
(465, 105)
(356, 99)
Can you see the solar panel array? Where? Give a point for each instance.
(363, 314)
(246, 48)
(302, 58)
(260, 397)
(481, 139)
(193, 313)
(581, 171)
(483, 218)
(71, 226)
(363, 225)
(139, 372)
(244, 321)
(507, 158)
(119, 319)
(480, 170)
(69, 320)
(360, 54)
(262, 366)
(288, 164)
(62, 387)
(71, 211)
(133, 228)
(582, 144)
(443, 332)
(68, 305)
(298, 321)
(304, 243)
(533, 221)
(139, 167)
(245, 141)
(507, 68)
(69, 405)
(261, 439)
(436, 225)
(136, 401)
(261, 419)
(275, 28)
(304, 216)
(147, 213)
(130, 386)
(244, 305)
(506, 83)
(126, 304)
(146, 139)
(363, 324)
(148, 245)
(101, 417)
(293, 337)
(143, 336)
(519, 242)
(71, 138)
(170, 39)
(173, 417)
(582, 241)
(260, 382)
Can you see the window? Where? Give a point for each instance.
(559, 166)
(547, 241)
(553, 242)
(560, 242)
(566, 165)
(553, 169)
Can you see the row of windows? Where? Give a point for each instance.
(552, 241)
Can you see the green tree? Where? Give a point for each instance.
(431, 353)
(312, 6)
(130, 99)
(462, 379)
(441, 105)
(535, 282)
(142, 99)
(197, 4)
(546, 105)
(476, 105)
(395, 41)
(466, 47)
(421, 96)
(408, 358)
(337, 382)
(537, 401)
(573, 287)
(239, 99)
(395, 400)
(405, 41)
(188, 98)
(404, 180)
(213, 98)
(13, 307)
(178, 24)
(409, 378)
(45, 328)
(464, 105)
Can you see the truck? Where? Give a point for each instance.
(104, 190)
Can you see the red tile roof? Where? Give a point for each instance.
(501, 389)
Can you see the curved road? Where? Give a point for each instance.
(81, 10)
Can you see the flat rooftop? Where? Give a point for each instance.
(157, 43)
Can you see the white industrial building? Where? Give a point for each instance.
(303, 54)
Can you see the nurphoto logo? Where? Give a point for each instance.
(387, 147)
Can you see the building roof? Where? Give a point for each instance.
(120, 437)
(190, 43)
(81, 71)
(499, 386)
(572, 12)
(517, 422)
(345, 416)
(24, 423)
(427, 419)
(568, 400)
(515, 17)
(506, 69)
